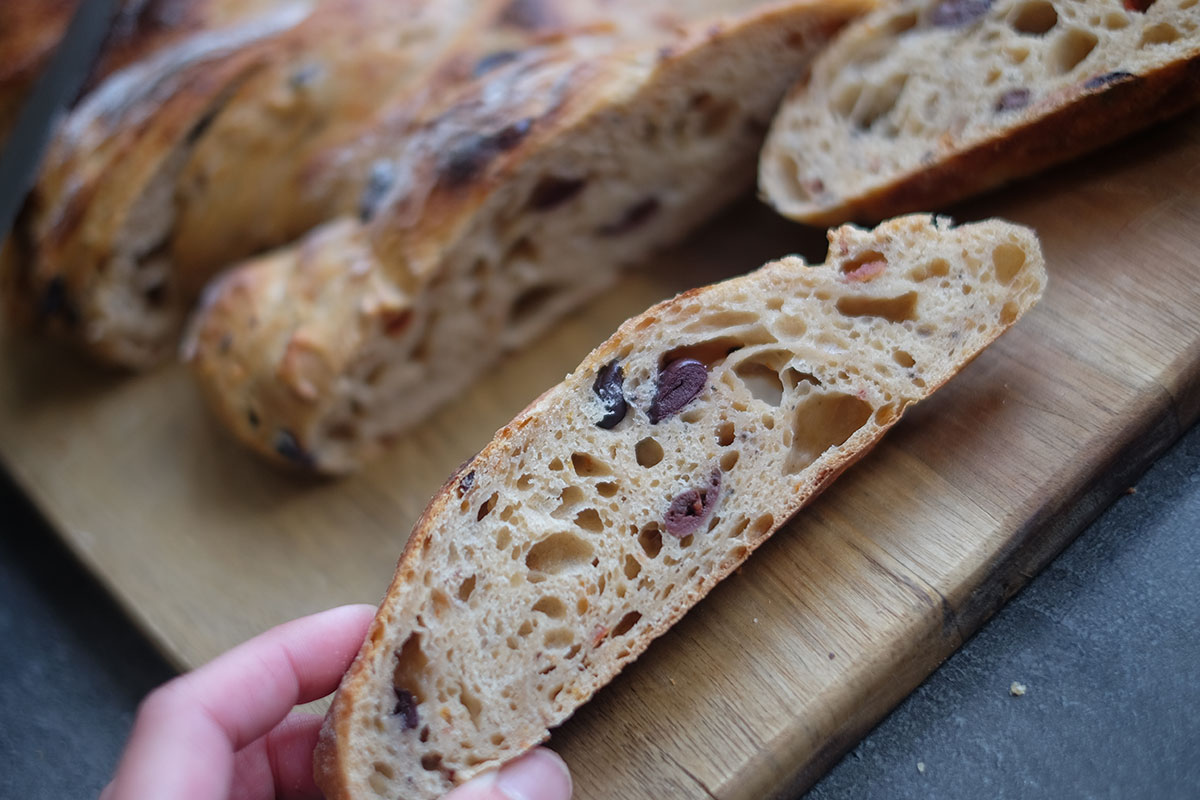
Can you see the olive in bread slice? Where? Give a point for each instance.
(925, 102)
(620, 497)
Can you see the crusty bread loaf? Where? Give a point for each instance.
(269, 129)
(211, 117)
(620, 497)
(509, 205)
(928, 101)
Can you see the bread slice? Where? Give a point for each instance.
(926, 102)
(604, 511)
(509, 205)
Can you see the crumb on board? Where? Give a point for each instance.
(1016, 689)
(1131, 490)
(921, 767)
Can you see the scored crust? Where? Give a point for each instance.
(612, 504)
(926, 102)
(510, 203)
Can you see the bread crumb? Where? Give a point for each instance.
(921, 767)
(1131, 490)
(1016, 689)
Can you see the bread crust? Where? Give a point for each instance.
(346, 745)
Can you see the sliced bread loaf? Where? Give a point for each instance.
(116, 238)
(508, 205)
(619, 498)
(925, 102)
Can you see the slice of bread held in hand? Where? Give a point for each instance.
(509, 204)
(620, 497)
(923, 103)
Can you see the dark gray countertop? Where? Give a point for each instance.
(1106, 641)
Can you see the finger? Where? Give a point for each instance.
(538, 775)
(249, 689)
(187, 731)
(279, 765)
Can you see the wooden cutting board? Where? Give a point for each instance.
(794, 657)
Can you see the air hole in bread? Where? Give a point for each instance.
(1008, 259)
(729, 460)
(559, 553)
(1016, 54)
(555, 465)
(589, 520)
(893, 309)
(632, 566)
(606, 488)
(1009, 313)
(626, 624)
(794, 378)
(1162, 33)
(525, 482)
(723, 320)
(648, 452)
(551, 606)
(761, 379)
(877, 101)
(470, 703)
(886, 414)
(531, 302)
(486, 506)
(822, 421)
(466, 588)
(864, 266)
(559, 638)
(903, 358)
(570, 497)
(525, 629)
(762, 526)
(713, 352)
(692, 415)
(768, 421)
(725, 432)
(503, 538)
(1072, 47)
(650, 539)
(1035, 17)
(587, 466)
(431, 762)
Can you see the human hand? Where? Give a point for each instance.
(227, 729)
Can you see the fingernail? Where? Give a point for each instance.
(539, 775)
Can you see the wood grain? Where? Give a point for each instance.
(794, 657)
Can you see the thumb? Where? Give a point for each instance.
(538, 775)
